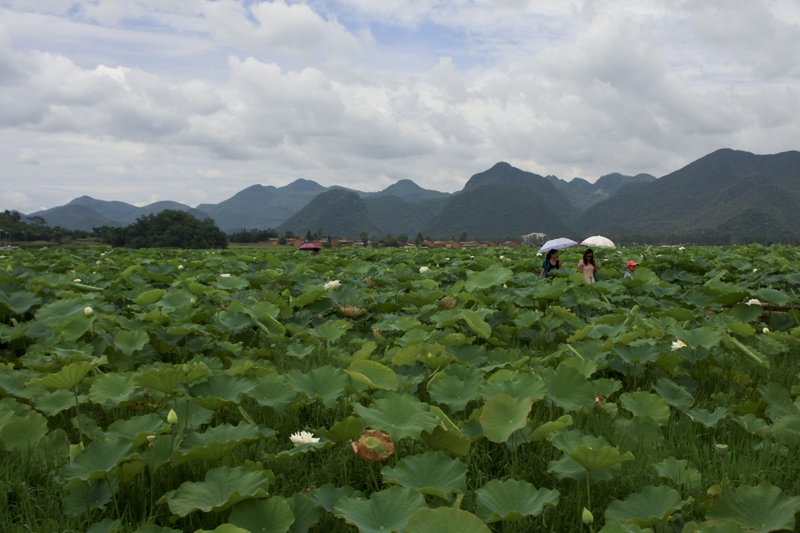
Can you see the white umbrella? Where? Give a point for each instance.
(555, 244)
(598, 241)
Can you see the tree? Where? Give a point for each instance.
(402, 238)
(462, 237)
(419, 239)
(167, 229)
(364, 237)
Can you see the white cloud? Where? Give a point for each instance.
(27, 156)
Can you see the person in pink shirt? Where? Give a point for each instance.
(587, 266)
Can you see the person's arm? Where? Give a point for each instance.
(580, 266)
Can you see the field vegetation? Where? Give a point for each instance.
(399, 390)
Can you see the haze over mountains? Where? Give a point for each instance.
(727, 192)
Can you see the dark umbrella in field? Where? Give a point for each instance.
(309, 246)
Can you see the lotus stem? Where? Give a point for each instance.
(78, 414)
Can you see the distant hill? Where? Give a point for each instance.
(583, 194)
(110, 209)
(723, 192)
(338, 212)
(495, 210)
(262, 206)
(76, 217)
(407, 190)
(395, 215)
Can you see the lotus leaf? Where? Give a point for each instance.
(273, 515)
(74, 327)
(542, 432)
(512, 500)
(57, 312)
(704, 336)
(386, 511)
(674, 394)
(110, 390)
(646, 352)
(22, 433)
(762, 508)
(234, 321)
(272, 391)
(373, 375)
(87, 496)
(567, 467)
(299, 350)
(616, 527)
(503, 415)
(522, 385)
(708, 418)
(215, 443)
(219, 391)
(568, 389)
(445, 520)
(453, 441)
(454, 392)
(149, 297)
(224, 528)
(786, 429)
(69, 376)
(646, 509)
(711, 527)
(332, 330)
(57, 401)
(306, 514)
(20, 301)
(98, 460)
(598, 459)
(106, 525)
(399, 415)
(344, 430)
(129, 342)
(222, 488)
(166, 380)
(326, 496)
(679, 472)
(429, 473)
(477, 324)
(136, 428)
(324, 383)
(645, 403)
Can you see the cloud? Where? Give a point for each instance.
(27, 156)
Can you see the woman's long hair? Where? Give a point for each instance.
(585, 262)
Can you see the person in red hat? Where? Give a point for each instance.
(631, 268)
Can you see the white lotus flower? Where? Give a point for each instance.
(423, 269)
(765, 330)
(753, 301)
(302, 437)
(77, 280)
(88, 311)
(681, 248)
(502, 257)
(755, 270)
(678, 344)
(224, 275)
(180, 267)
(332, 284)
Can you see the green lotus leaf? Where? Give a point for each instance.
(166, 380)
(176, 298)
(638, 353)
(429, 473)
(503, 415)
(326, 496)
(679, 472)
(772, 296)
(645, 403)
(708, 418)
(97, 460)
(744, 313)
(223, 487)
(69, 376)
(136, 429)
(272, 391)
(106, 525)
(324, 383)
(74, 327)
(541, 432)
(385, 511)
(331, 330)
(87, 496)
(232, 283)
(522, 385)
(567, 467)
(344, 430)
(674, 394)
(477, 324)
(53, 403)
(597, 459)
(568, 389)
(491, 277)
(299, 451)
(22, 433)
(445, 520)
(373, 375)
(713, 527)
(219, 391)
(305, 512)
(215, 443)
(586, 367)
(299, 350)
(234, 321)
(308, 297)
(399, 415)
(749, 352)
(110, 390)
(753, 424)
(617, 527)
(704, 336)
(57, 312)
(786, 429)
(224, 528)
(640, 428)
(512, 500)
(149, 297)
(152, 528)
(454, 392)
(762, 508)
(646, 509)
(273, 515)
(451, 440)
(129, 342)
(20, 301)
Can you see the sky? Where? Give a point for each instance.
(194, 100)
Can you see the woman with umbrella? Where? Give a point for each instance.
(588, 266)
(551, 262)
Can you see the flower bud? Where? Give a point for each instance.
(172, 417)
(88, 311)
(587, 516)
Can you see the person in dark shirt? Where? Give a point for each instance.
(551, 262)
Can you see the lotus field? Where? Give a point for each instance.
(399, 390)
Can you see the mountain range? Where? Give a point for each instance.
(726, 192)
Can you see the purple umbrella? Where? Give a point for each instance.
(309, 246)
